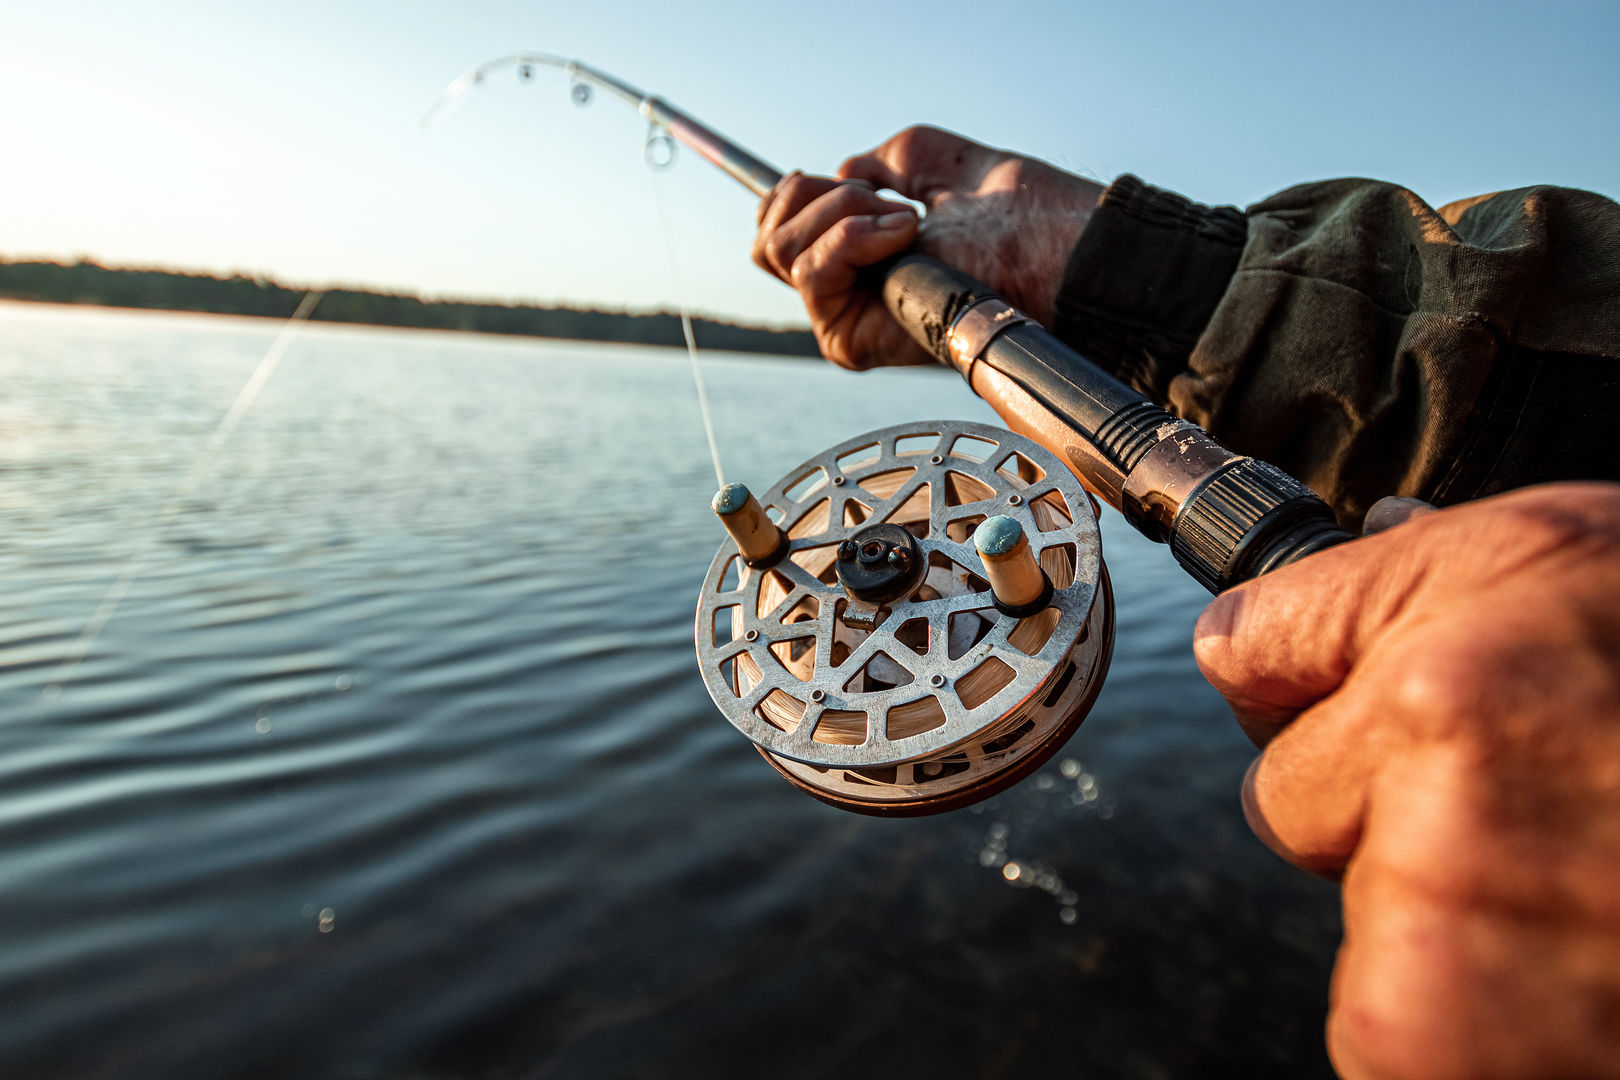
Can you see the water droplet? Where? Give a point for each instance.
(1106, 811)
(581, 93)
(50, 693)
(307, 911)
(342, 683)
(991, 857)
(999, 831)
(1068, 916)
(1044, 783)
(1070, 768)
(1068, 897)
(1012, 871)
(328, 919)
(262, 725)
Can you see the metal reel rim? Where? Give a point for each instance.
(1074, 602)
(1015, 773)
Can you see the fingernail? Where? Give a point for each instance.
(896, 220)
(1393, 510)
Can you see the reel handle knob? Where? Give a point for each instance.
(762, 544)
(1017, 582)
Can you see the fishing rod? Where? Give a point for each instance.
(919, 617)
(1226, 517)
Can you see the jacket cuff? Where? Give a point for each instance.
(1143, 280)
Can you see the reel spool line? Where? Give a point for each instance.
(855, 637)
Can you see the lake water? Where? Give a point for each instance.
(394, 761)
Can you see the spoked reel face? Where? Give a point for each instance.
(920, 693)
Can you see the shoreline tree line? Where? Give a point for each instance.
(86, 282)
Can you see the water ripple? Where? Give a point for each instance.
(394, 760)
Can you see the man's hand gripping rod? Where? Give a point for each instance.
(1227, 518)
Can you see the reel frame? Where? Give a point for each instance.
(944, 700)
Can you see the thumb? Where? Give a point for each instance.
(1279, 644)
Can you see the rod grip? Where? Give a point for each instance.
(926, 297)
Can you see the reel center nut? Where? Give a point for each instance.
(880, 564)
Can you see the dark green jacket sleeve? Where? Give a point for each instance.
(1362, 340)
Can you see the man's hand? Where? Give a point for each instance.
(1439, 707)
(1008, 220)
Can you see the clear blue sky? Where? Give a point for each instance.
(284, 138)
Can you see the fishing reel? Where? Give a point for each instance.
(910, 621)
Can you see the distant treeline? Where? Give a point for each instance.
(90, 283)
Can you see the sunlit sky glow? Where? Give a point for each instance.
(284, 138)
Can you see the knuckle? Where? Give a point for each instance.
(924, 133)
(915, 140)
(804, 273)
(850, 198)
(1453, 688)
(1546, 525)
(833, 349)
(774, 197)
(811, 265)
(841, 233)
(790, 196)
(910, 135)
(790, 185)
(1014, 169)
(1440, 691)
(1542, 521)
(771, 252)
(906, 146)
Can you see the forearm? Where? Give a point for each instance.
(1362, 340)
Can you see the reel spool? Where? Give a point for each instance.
(910, 621)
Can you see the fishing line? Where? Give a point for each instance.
(686, 325)
(659, 152)
(200, 463)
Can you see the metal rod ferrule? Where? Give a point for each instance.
(973, 331)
